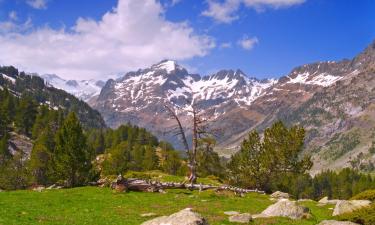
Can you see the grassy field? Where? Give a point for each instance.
(92, 205)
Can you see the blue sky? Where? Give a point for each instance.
(263, 38)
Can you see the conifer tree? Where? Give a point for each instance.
(72, 161)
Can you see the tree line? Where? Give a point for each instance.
(67, 153)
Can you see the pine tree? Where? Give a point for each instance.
(41, 161)
(72, 161)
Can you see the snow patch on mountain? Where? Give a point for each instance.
(11, 79)
(82, 89)
(322, 79)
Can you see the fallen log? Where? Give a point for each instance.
(133, 184)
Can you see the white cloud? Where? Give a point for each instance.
(225, 12)
(248, 43)
(133, 35)
(226, 45)
(37, 4)
(222, 12)
(13, 15)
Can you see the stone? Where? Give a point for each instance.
(335, 222)
(240, 218)
(279, 195)
(54, 186)
(231, 213)
(347, 206)
(39, 188)
(148, 214)
(183, 217)
(325, 201)
(285, 208)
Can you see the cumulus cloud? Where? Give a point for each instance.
(248, 43)
(133, 35)
(37, 4)
(225, 12)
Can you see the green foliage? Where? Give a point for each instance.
(72, 158)
(365, 216)
(208, 161)
(340, 146)
(366, 195)
(264, 163)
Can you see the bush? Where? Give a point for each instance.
(366, 195)
(365, 216)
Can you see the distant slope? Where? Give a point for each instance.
(82, 89)
(20, 83)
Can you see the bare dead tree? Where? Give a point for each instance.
(199, 130)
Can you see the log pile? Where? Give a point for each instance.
(122, 184)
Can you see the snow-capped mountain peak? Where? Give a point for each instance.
(168, 65)
(82, 89)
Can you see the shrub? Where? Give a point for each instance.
(365, 216)
(366, 195)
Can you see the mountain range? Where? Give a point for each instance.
(334, 101)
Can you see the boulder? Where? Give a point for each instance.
(183, 217)
(285, 208)
(38, 188)
(279, 195)
(347, 206)
(231, 213)
(240, 218)
(335, 222)
(325, 201)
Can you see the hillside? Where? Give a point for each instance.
(20, 83)
(237, 104)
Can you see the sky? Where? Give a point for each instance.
(93, 39)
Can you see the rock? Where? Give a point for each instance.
(39, 188)
(285, 208)
(54, 186)
(305, 200)
(325, 201)
(240, 218)
(345, 206)
(279, 195)
(231, 213)
(1, 190)
(148, 214)
(335, 222)
(183, 217)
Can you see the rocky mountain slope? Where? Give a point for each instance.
(20, 83)
(82, 89)
(328, 98)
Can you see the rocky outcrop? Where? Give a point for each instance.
(335, 222)
(345, 206)
(279, 195)
(285, 208)
(325, 201)
(183, 217)
(240, 218)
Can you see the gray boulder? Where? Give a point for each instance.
(183, 217)
(240, 218)
(231, 213)
(325, 201)
(335, 222)
(285, 208)
(279, 195)
(345, 206)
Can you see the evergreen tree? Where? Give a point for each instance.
(41, 159)
(26, 114)
(72, 161)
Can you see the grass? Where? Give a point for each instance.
(92, 205)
